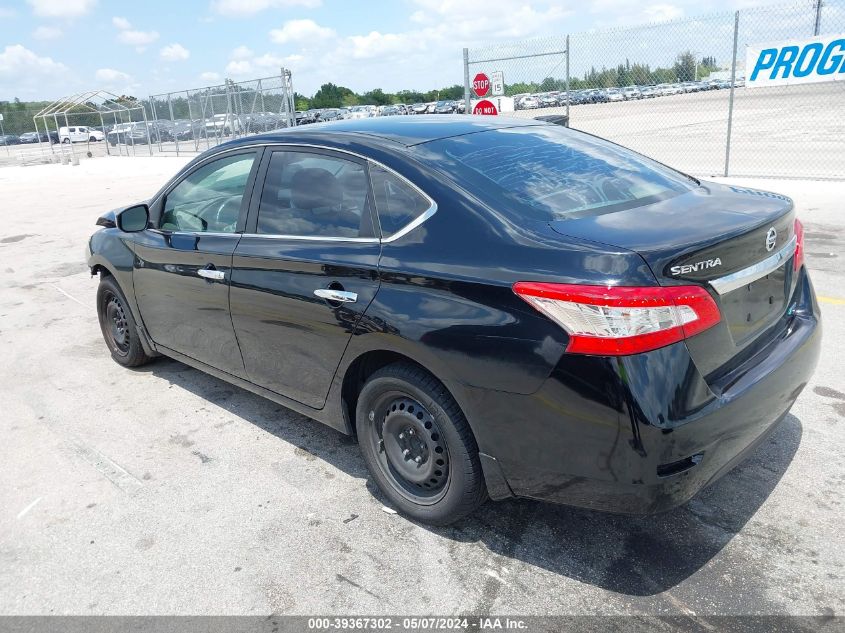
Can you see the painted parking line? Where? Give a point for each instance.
(833, 300)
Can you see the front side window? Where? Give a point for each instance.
(398, 203)
(209, 199)
(314, 195)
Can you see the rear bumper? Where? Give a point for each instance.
(645, 433)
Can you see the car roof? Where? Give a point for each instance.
(406, 131)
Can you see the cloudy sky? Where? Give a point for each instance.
(49, 48)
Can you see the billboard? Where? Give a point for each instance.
(792, 62)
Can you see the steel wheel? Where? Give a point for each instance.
(411, 449)
(116, 324)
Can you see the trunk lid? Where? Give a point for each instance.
(711, 236)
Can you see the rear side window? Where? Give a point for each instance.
(551, 173)
(397, 201)
(314, 195)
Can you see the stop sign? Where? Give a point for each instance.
(485, 107)
(481, 85)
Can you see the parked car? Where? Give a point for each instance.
(35, 137)
(548, 101)
(614, 94)
(529, 103)
(80, 134)
(648, 92)
(360, 112)
(223, 125)
(418, 108)
(137, 133)
(597, 96)
(444, 107)
(634, 337)
(630, 93)
(185, 130)
(9, 139)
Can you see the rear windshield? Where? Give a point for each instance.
(551, 173)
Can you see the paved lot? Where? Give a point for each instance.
(164, 490)
(791, 132)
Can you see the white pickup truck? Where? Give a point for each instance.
(80, 134)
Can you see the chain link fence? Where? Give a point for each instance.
(194, 120)
(676, 91)
(175, 123)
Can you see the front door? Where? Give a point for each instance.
(183, 265)
(305, 270)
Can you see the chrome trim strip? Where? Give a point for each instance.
(313, 238)
(271, 144)
(740, 278)
(413, 223)
(194, 233)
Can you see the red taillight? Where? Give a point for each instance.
(622, 320)
(798, 260)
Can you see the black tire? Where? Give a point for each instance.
(118, 325)
(432, 474)
(65, 140)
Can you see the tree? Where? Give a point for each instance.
(410, 96)
(330, 96)
(376, 97)
(685, 66)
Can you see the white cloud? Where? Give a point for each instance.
(122, 23)
(174, 53)
(251, 7)
(19, 61)
(375, 44)
(269, 61)
(138, 39)
(239, 68)
(300, 31)
(111, 76)
(61, 8)
(23, 72)
(209, 76)
(662, 12)
(242, 52)
(46, 33)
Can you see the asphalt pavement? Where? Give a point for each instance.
(163, 490)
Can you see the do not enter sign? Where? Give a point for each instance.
(481, 85)
(485, 107)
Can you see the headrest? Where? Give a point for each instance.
(312, 188)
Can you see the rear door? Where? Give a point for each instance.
(305, 270)
(183, 263)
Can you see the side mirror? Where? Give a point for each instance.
(134, 219)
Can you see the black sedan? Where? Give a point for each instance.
(493, 307)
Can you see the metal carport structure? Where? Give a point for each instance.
(107, 106)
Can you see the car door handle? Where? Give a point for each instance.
(341, 296)
(210, 273)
